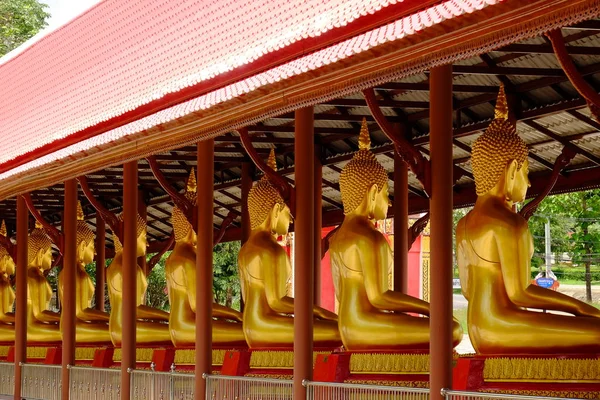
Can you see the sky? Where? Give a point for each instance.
(61, 12)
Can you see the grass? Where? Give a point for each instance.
(461, 316)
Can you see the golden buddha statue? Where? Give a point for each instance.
(264, 271)
(180, 270)
(371, 317)
(42, 324)
(494, 249)
(151, 326)
(7, 294)
(91, 324)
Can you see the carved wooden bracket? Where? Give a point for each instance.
(584, 89)
(325, 241)
(286, 190)
(56, 235)
(565, 157)
(108, 216)
(416, 229)
(413, 157)
(218, 236)
(156, 258)
(179, 199)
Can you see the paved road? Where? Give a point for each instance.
(459, 301)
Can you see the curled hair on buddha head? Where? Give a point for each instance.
(263, 196)
(84, 232)
(140, 228)
(361, 173)
(181, 225)
(38, 240)
(496, 148)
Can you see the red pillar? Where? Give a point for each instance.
(318, 199)
(130, 207)
(441, 229)
(204, 265)
(21, 300)
(400, 224)
(247, 174)
(304, 249)
(67, 323)
(100, 261)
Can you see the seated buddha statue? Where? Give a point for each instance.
(7, 294)
(494, 249)
(372, 317)
(180, 270)
(152, 328)
(264, 271)
(91, 324)
(42, 324)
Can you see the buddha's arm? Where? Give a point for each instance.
(463, 263)
(189, 270)
(275, 282)
(145, 312)
(514, 249)
(219, 311)
(374, 260)
(91, 314)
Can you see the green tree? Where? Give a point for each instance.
(19, 21)
(226, 282)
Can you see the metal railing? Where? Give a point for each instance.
(7, 378)
(350, 391)
(41, 382)
(220, 387)
(86, 383)
(458, 395)
(152, 385)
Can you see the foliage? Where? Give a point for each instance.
(226, 283)
(156, 293)
(574, 227)
(19, 21)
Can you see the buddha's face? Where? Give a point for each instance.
(87, 252)
(191, 238)
(517, 181)
(7, 265)
(45, 259)
(281, 219)
(141, 244)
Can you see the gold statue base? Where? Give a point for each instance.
(565, 376)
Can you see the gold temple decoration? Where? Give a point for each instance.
(263, 196)
(542, 370)
(3, 231)
(371, 316)
(181, 225)
(84, 233)
(494, 248)
(188, 357)
(276, 359)
(389, 363)
(499, 145)
(361, 172)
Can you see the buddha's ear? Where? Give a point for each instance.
(276, 211)
(38, 256)
(511, 169)
(81, 247)
(373, 192)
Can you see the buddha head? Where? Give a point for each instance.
(499, 157)
(39, 251)
(364, 182)
(85, 239)
(7, 264)
(182, 228)
(266, 207)
(140, 234)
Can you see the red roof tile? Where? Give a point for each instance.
(122, 56)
